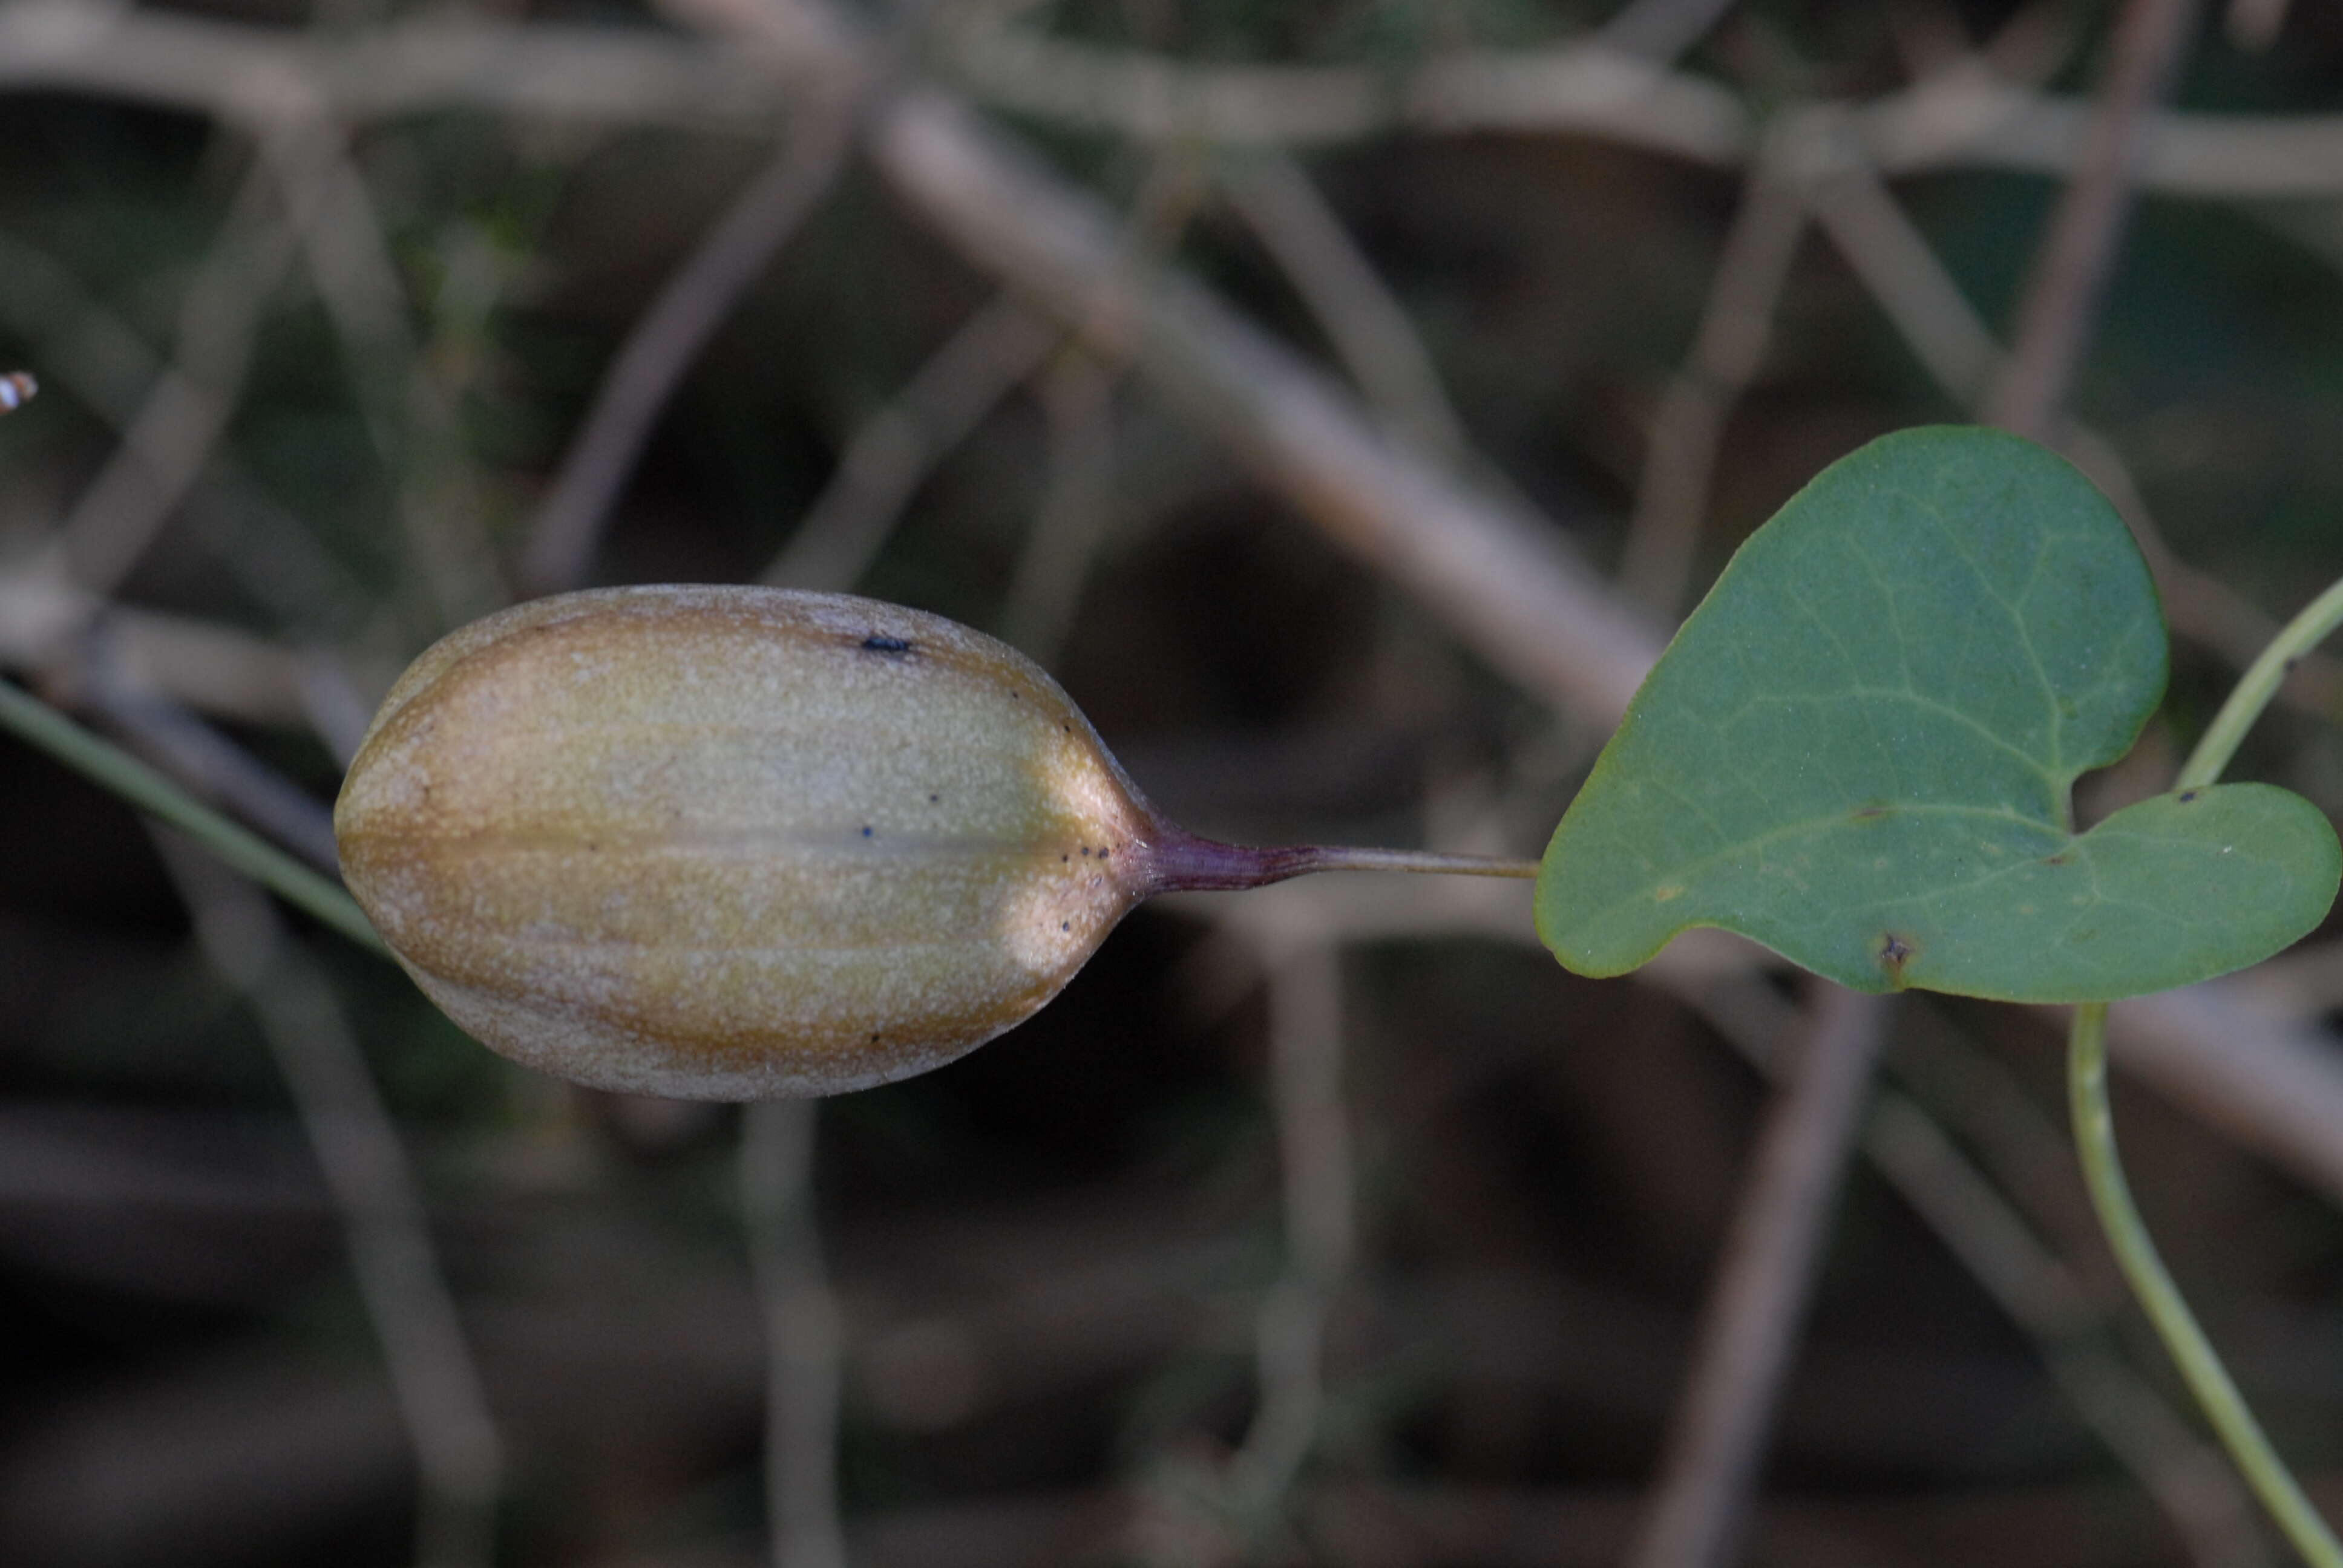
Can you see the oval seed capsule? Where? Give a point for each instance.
(734, 843)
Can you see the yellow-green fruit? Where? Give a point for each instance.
(735, 842)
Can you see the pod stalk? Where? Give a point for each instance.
(1179, 862)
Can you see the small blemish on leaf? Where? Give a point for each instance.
(1673, 891)
(2187, 795)
(1895, 953)
(1869, 814)
(2063, 857)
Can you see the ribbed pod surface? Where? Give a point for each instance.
(731, 842)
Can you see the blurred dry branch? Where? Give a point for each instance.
(1765, 1278)
(350, 262)
(1680, 454)
(1587, 89)
(1967, 1207)
(1369, 327)
(800, 1319)
(2193, 1483)
(842, 533)
(208, 666)
(2062, 296)
(1313, 1137)
(693, 305)
(1966, 118)
(182, 416)
(1533, 611)
(432, 1376)
(240, 71)
(1077, 506)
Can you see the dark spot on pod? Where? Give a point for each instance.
(1064, 859)
(866, 830)
(874, 1039)
(2186, 796)
(1869, 814)
(934, 798)
(1065, 925)
(2292, 661)
(1086, 851)
(877, 643)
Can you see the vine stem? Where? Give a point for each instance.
(2159, 1297)
(2095, 1143)
(2258, 686)
(41, 725)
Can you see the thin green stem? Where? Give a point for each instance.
(40, 725)
(2095, 1141)
(2201, 1365)
(2258, 686)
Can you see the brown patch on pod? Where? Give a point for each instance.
(735, 842)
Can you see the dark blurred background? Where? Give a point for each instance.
(1334, 1224)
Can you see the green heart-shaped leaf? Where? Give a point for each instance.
(1859, 751)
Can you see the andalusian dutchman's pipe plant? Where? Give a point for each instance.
(735, 842)
(732, 842)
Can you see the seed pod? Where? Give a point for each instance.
(734, 842)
